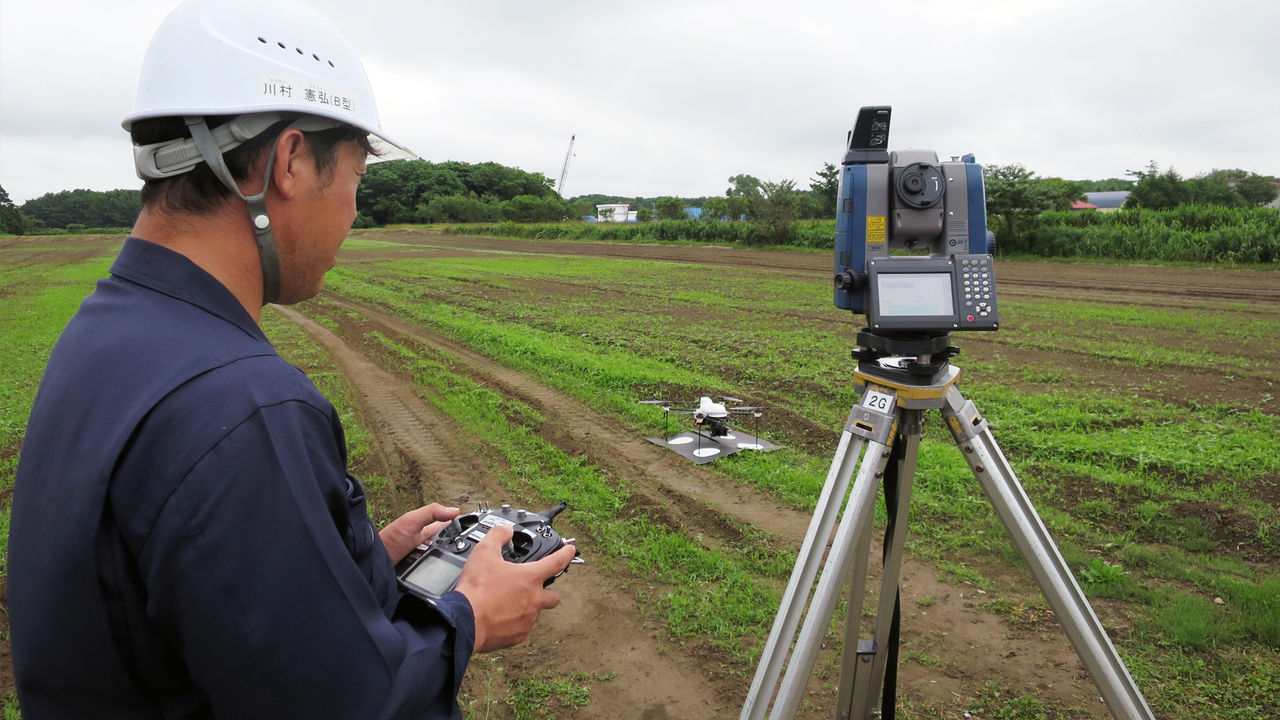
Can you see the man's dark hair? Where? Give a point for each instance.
(198, 191)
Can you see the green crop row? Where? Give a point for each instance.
(1188, 233)
(805, 233)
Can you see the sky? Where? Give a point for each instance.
(673, 98)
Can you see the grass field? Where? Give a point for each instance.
(1143, 426)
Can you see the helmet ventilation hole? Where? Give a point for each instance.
(299, 50)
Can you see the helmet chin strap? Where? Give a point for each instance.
(262, 234)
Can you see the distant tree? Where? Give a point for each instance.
(1257, 190)
(1156, 190)
(670, 208)
(12, 221)
(458, 208)
(825, 188)
(391, 191)
(776, 210)
(402, 191)
(715, 209)
(743, 186)
(644, 213)
(743, 192)
(504, 183)
(1061, 193)
(87, 208)
(532, 208)
(580, 208)
(1252, 188)
(810, 207)
(1015, 197)
(1213, 190)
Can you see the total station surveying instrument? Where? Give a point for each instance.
(908, 201)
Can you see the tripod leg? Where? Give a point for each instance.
(865, 665)
(857, 515)
(1051, 573)
(802, 575)
(853, 678)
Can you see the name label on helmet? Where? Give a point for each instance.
(306, 94)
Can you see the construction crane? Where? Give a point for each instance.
(564, 173)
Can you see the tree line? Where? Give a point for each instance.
(70, 210)
(418, 191)
(1033, 215)
(1026, 212)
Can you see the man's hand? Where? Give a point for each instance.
(506, 598)
(414, 528)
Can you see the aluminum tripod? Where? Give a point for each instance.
(887, 422)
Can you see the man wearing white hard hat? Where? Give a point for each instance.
(185, 539)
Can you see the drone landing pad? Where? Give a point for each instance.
(703, 449)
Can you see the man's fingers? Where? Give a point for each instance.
(544, 568)
(551, 566)
(501, 535)
(435, 512)
(431, 530)
(550, 599)
(560, 559)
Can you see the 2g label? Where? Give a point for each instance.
(878, 401)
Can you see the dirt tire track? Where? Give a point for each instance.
(646, 680)
(578, 428)
(400, 421)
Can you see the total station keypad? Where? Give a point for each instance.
(978, 284)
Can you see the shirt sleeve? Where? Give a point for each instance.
(253, 570)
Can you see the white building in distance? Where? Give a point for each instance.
(618, 212)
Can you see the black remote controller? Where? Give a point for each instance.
(432, 569)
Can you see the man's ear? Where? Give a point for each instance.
(291, 152)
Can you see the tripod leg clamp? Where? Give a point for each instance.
(962, 416)
(872, 425)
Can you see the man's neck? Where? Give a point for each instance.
(220, 242)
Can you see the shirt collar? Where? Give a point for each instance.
(173, 274)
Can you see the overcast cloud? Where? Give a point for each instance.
(672, 98)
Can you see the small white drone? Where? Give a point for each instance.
(714, 434)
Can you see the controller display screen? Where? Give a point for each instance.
(434, 576)
(916, 294)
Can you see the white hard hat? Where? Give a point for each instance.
(235, 57)
(251, 59)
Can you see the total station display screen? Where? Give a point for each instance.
(915, 294)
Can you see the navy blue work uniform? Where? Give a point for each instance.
(185, 539)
